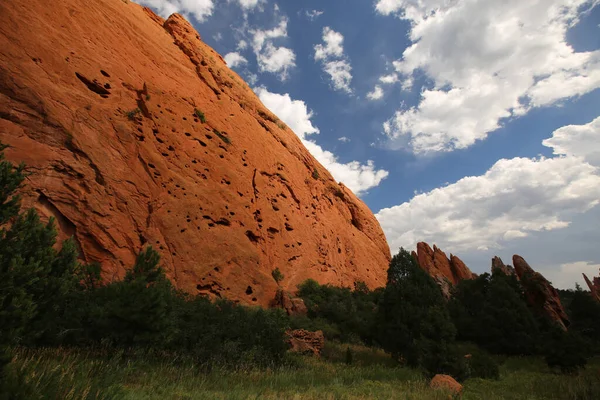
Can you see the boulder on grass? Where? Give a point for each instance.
(446, 382)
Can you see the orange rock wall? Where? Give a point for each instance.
(99, 99)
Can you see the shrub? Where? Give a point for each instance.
(222, 137)
(482, 365)
(132, 115)
(315, 174)
(200, 115)
(347, 315)
(277, 275)
(565, 350)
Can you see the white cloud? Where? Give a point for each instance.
(251, 78)
(333, 47)
(566, 275)
(389, 79)
(313, 14)
(242, 45)
(293, 112)
(344, 139)
(235, 59)
(582, 140)
(489, 60)
(356, 176)
(200, 9)
(270, 58)
(340, 73)
(250, 4)
(510, 201)
(334, 61)
(376, 94)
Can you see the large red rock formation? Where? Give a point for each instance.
(445, 271)
(540, 293)
(498, 265)
(594, 286)
(135, 132)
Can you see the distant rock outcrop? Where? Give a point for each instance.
(137, 133)
(540, 294)
(594, 286)
(445, 271)
(292, 305)
(305, 342)
(498, 265)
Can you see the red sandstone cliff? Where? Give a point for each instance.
(99, 99)
(445, 271)
(540, 293)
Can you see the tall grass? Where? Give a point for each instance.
(83, 374)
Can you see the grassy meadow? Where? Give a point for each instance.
(76, 374)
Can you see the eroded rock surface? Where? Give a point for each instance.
(136, 133)
(305, 342)
(540, 293)
(447, 272)
(292, 305)
(498, 265)
(594, 286)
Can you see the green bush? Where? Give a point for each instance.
(566, 351)
(347, 315)
(200, 115)
(482, 365)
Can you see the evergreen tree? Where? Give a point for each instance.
(137, 311)
(584, 312)
(491, 312)
(414, 324)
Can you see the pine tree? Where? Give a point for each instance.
(413, 320)
(491, 312)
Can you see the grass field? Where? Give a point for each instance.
(75, 374)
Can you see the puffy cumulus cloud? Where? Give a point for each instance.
(293, 112)
(511, 200)
(358, 177)
(200, 9)
(489, 60)
(376, 94)
(582, 140)
(340, 73)
(271, 58)
(335, 63)
(235, 59)
(333, 46)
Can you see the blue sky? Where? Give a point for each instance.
(471, 124)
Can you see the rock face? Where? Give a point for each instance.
(292, 305)
(540, 293)
(446, 382)
(445, 271)
(594, 286)
(305, 342)
(498, 265)
(136, 133)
